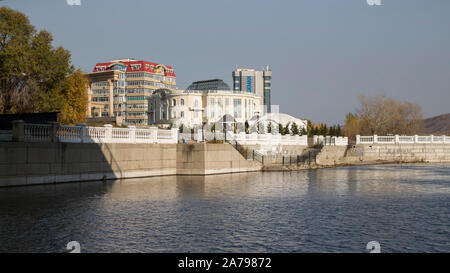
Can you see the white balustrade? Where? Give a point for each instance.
(87, 134)
(69, 133)
(37, 132)
(330, 140)
(397, 139)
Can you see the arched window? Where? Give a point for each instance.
(174, 102)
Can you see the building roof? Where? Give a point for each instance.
(278, 118)
(214, 84)
(132, 65)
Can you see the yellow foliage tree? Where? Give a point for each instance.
(74, 99)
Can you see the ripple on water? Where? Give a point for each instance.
(404, 207)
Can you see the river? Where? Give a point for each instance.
(405, 208)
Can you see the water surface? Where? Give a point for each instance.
(404, 207)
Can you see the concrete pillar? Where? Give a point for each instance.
(132, 135)
(111, 98)
(432, 138)
(397, 139)
(416, 138)
(358, 139)
(154, 134)
(83, 132)
(175, 134)
(53, 131)
(89, 105)
(375, 139)
(108, 134)
(18, 132)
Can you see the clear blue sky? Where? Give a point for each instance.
(322, 52)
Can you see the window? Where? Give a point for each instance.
(267, 78)
(164, 113)
(267, 84)
(174, 102)
(219, 107)
(237, 108)
(249, 84)
(211, 107)
(182, 102)
(182, 114)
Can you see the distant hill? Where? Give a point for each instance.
(439, 125)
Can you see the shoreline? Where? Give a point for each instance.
(269, 168)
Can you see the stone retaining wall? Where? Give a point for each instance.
(27, 163)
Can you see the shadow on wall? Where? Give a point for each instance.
(37, 156)
(30, 163)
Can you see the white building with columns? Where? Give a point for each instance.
(193, 108)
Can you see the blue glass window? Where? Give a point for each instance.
(249, 84)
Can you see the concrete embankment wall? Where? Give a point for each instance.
(198, 159)
(381, 153)
(433, 153)
(24, 163)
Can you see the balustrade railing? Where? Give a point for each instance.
(330, 140)
(87, 134)
(397, 139)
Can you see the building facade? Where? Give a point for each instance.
(122, 88)
(255, 82)
(193, 108)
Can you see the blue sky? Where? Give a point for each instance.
(322, 52)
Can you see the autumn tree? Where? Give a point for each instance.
(34, 75)
(73, 99)
(352, 125)
(382, 115)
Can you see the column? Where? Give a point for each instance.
(18, 131)
(375, 139)
(108, 134)
(111, 98)
(83, 132)
(132, 135)
(89, 105)
(53, 131)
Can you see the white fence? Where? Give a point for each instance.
(397, 139)
(87, 134)
(330, 140)
(246, 139)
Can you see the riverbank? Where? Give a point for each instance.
(36, 163)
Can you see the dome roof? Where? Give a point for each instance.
(214, 84)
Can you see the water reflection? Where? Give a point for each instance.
(326, 210)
